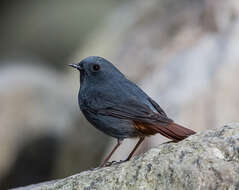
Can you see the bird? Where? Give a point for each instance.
(119, 108)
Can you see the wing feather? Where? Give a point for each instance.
(135, 111)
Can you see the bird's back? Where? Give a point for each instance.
(114, 91)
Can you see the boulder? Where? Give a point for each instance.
(207, 160)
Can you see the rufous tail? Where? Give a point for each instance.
(175, 132)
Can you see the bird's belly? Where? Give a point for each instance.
(112, 126)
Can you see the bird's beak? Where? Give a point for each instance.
(77, 66)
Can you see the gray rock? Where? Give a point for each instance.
(208, 160)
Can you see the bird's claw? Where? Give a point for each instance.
(121, 161)
(113, 163)
(110, 163)
(168, 142)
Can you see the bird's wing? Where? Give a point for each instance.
(136, 111)
(144, 119)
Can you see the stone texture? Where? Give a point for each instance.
(208, 160)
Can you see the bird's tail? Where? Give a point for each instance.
(174, 132)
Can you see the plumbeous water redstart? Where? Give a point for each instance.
(119, 108)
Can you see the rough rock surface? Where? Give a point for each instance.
(208, 160)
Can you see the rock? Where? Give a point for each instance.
(207, 160)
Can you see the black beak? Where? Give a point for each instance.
(76, 66)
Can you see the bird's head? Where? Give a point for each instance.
(96, 69)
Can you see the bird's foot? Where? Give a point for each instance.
(169, 142)
(107, 164)
(122, 161)
(110, 163)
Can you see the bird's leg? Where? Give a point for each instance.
(135, 148)
(119, 142)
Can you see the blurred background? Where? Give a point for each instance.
(184, 54)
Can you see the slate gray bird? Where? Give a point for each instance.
(119, 108)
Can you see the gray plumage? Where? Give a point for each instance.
(109, 88)
(119, 108)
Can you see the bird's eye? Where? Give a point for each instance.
(96, 67)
